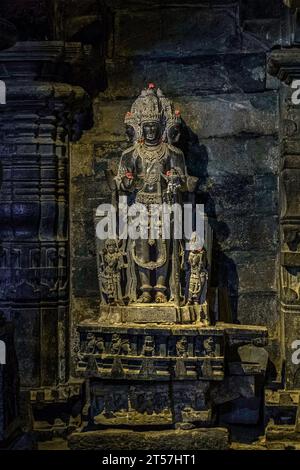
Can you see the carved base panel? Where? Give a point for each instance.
(124, 404)
(158, 314)
(135, 368)
(140, 404)
(163, 375)
(151, 352)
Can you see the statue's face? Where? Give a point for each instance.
(151, 132)
(111, 249)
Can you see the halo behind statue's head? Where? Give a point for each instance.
(153, 106)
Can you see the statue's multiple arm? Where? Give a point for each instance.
(126, 172)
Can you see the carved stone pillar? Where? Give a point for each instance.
(282, 404)
(42, 115)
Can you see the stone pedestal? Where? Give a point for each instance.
(169, 376)
(163, 314)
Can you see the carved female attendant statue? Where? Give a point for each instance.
(198, 276)
(110, 273)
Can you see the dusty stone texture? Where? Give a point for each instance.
(195, 439)
(163, 35)
(247, 115)
(265, 303)
(232, 388)
(266, 30)
(241, 411)
(219, 74)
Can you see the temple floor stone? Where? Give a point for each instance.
(196, 439)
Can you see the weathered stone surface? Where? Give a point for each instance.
(266, 30)
(188, 76)
(154, 314)
(233, 388)
(184, 426)
(196, 439)
(229, 115)
(253, 354)
(241, 156)
(199, 29)
(245, 115)
(85, 277)
(260, 308)
(282, 433)
(252, 233)
(27, 344)
(255, 272)
(241, 411)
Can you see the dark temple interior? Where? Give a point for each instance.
(78, 374)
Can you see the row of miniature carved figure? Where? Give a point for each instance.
(183, 346)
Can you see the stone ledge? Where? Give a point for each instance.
(196, 439)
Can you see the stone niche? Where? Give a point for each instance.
(230, 110)
(231, 113)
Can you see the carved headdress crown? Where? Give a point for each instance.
(152, 106)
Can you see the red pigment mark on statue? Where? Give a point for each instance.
(129, 175)
(151, 86)
(177, 112)
(169, 173)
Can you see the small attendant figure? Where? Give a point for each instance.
(198, 279)
(110, 275)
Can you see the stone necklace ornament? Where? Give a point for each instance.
(152, 153)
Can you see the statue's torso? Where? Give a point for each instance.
(149, 167)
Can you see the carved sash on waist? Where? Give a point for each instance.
(151, 264)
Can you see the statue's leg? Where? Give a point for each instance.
(161, 273)
(142, 251)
